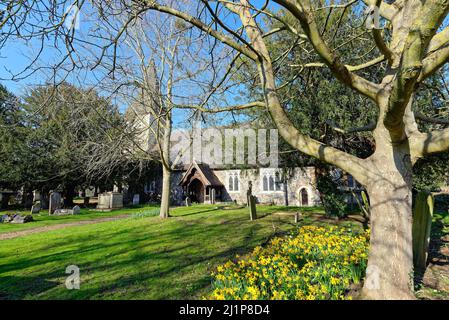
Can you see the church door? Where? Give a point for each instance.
(304, 197)
(196, 191)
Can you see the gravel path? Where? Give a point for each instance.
(21, 233)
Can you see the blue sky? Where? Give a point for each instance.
(17, 55)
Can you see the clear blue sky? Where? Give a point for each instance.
(17, 56)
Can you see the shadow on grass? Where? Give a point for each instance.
(153, 259)
(17, 288)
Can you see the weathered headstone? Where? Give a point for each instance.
(188, 202)
(36, 207)
(136, 199)
(252, 208)
(60, 212)
(36, 196)
(110, 200)
(21, 219)
(212, 196)
(76, 210)
(65, 212)
(55, 202)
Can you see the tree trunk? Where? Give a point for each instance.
(166, 165)
(165, 198)
(390, 263)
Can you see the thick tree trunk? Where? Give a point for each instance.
(165, 198)
(390, 263)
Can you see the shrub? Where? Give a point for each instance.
(332, 198)
(316, 263)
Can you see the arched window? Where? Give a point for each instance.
(236, 182)
(277, 182)
(265, 183)
(271, 179)
(233, 181)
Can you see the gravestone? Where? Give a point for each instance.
(252, 208)
(65, 212)
(136, 199)
(21, 219)
(36, 207)
(36, 196)
(86, 201)
(212, 196)
(110, 200)
(76, 210)
(61, 212)
(188, 202)
(5, 218)
(55, 202)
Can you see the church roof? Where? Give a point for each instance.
(205, 174)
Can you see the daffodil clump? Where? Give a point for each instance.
(315, 263)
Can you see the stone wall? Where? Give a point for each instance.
(297, 179)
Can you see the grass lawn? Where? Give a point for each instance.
(44, 219)
(138, 257)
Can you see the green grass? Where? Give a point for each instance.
(137, 257)
(44, 219)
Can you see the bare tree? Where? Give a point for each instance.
(41, 23)
(411, 47)
(156, 51)
(155, 69)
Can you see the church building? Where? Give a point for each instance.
(203, 184)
